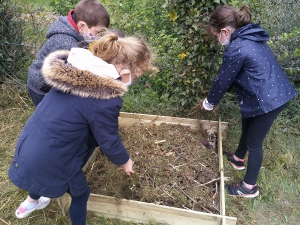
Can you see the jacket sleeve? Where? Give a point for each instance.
(105, 128)
(233, 61)
(54, 43)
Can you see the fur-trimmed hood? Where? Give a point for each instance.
(64, 77)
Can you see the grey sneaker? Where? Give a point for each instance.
(239, 189)
(22, 212)
(239, 165)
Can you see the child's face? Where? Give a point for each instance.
(224, 35)
(95, 31)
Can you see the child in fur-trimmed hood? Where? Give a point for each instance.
(83, 104)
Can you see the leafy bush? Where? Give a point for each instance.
(201, 57)
(187, 60)
(150, 20)
(12, 52)
(63, 7)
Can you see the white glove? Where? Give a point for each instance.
(206, 105)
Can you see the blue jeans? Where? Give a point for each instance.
(254, 131)
(78, 207)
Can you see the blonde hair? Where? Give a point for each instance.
(229, 16)
(130, 51)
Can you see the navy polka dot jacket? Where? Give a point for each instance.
(251, 67)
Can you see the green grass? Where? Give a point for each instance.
(279, 201)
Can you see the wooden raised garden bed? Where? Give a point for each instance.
(112, 204)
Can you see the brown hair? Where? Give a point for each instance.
(92, 12)
(229, 16)
(130, 51)
(115, 31)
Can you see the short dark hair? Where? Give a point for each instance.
(92, 12)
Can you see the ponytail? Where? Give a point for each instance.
(243, 17)
(106, 48)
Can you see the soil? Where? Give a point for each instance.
(172, 167)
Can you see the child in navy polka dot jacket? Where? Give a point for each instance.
(261, 86)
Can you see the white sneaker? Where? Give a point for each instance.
(22, 212)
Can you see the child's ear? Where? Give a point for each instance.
(125, 72)
(81, 25)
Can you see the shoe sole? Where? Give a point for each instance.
(246, 195)
(237, 167)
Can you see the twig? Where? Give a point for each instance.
(11, 109)
(149, 132)
(152, 121)
(216, 209)
(176, 167)
(216, 193)
(154, 183)
(5, 203)
(183, 206)
(196, 108)
(206, 209)
(44, 215)
(21, 99)
(91, 170)
(4, 221)
(168, 194)
(186, 194)
(159, 142)
(175, 184)
(202, 164)
(217, 179)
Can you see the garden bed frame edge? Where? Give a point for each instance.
(135, 211)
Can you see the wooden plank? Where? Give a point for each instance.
(141, 212)
(127, 119)
(221, 168)
(91, 159)
(64, 203)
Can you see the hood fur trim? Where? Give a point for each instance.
(64, 77)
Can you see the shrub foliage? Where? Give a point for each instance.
(200, 56)
(12, 50)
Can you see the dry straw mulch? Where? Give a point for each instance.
(172, 168)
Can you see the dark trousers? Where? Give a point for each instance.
(35, 97)
(78, 207)
(254, 131)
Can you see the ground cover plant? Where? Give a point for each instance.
(172, 168)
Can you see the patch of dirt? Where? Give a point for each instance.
(172, 167)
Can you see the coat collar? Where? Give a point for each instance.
(64, 77)
(251, 32)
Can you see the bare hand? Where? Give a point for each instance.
(127, 167)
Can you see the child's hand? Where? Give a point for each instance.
(127, 167)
